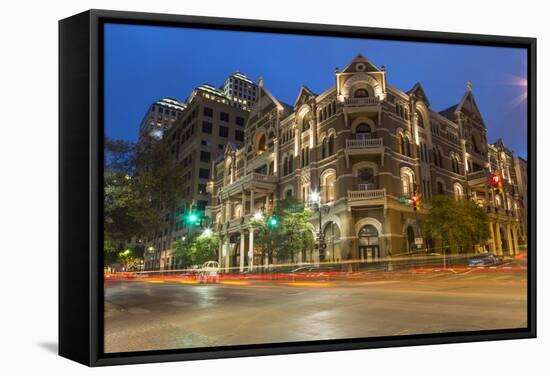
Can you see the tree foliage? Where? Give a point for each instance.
(140, 183)
(196, 249)
(130, 259)
(456, 223)
(292, 233)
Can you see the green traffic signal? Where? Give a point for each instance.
(273, 222)
(193, 218)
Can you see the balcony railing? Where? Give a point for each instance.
(368, 101)
(250, 178)
(371, 194)
(364, 143)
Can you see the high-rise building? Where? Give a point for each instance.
(241, 90)
(209, 124)
(160, 117)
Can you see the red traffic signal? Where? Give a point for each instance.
(415, 200)
(495, 180)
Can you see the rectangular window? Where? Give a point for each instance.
(201, 189)
(205, 156)
(207, 127)
(204, 173)
(224, 131)
(239, 120)
(224, 116)
(208, 112)
(239, 135)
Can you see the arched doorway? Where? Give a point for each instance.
(410, 239)
(363, 131)
(369, 249)
(503, 242)
(332, 239)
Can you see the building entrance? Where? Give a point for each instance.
(369, 249)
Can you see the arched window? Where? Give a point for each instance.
(288, 193)
(306, 122)
(407, 181)
(363, 131)
(458, 191)
(324, 148)
(290, 163)
(330, 145)
(285, 166)
(406, 147)
(261, 144)
(440, 188)
(475, 144)
(419, 119)
(327, 187)
(366, 178)
(361, 93)
(401, 142)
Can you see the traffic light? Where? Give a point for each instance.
(496, 181)
(415, 201)
(273, 222)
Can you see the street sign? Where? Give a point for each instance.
(418, 241)
(404, 199)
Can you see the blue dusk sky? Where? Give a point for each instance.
(145, 63)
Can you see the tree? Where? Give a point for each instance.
(196, 249)
(130, 259)
(456, 223)
(140, 182)
(291, 234)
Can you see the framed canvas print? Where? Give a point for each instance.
(236, 187)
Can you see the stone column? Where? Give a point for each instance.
(243, 203)
(220, 251)
(509, 239)
(226, 251)
(251, 248)
(252, 201)
(498, 240)
(493, 243)
(515, 238)
(242, 252)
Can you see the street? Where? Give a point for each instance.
(155, 313)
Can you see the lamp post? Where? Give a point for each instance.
(315, 198)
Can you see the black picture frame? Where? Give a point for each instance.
(80, 196)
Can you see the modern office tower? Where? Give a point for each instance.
(160, 117)
(242, 91)
(209, 125)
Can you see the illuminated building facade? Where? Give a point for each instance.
(367, 147)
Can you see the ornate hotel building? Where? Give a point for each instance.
(364, 145)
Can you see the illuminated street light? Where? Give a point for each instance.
(258, 215)
(207, 232)
(315, 197)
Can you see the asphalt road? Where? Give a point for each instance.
(157, 314)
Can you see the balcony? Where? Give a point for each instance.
(477, 178)
(358, 102)
(253, 180)
(367, 197)
(364, 146)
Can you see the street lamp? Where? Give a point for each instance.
(315, 198)
(207, 232)
(258, 215)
